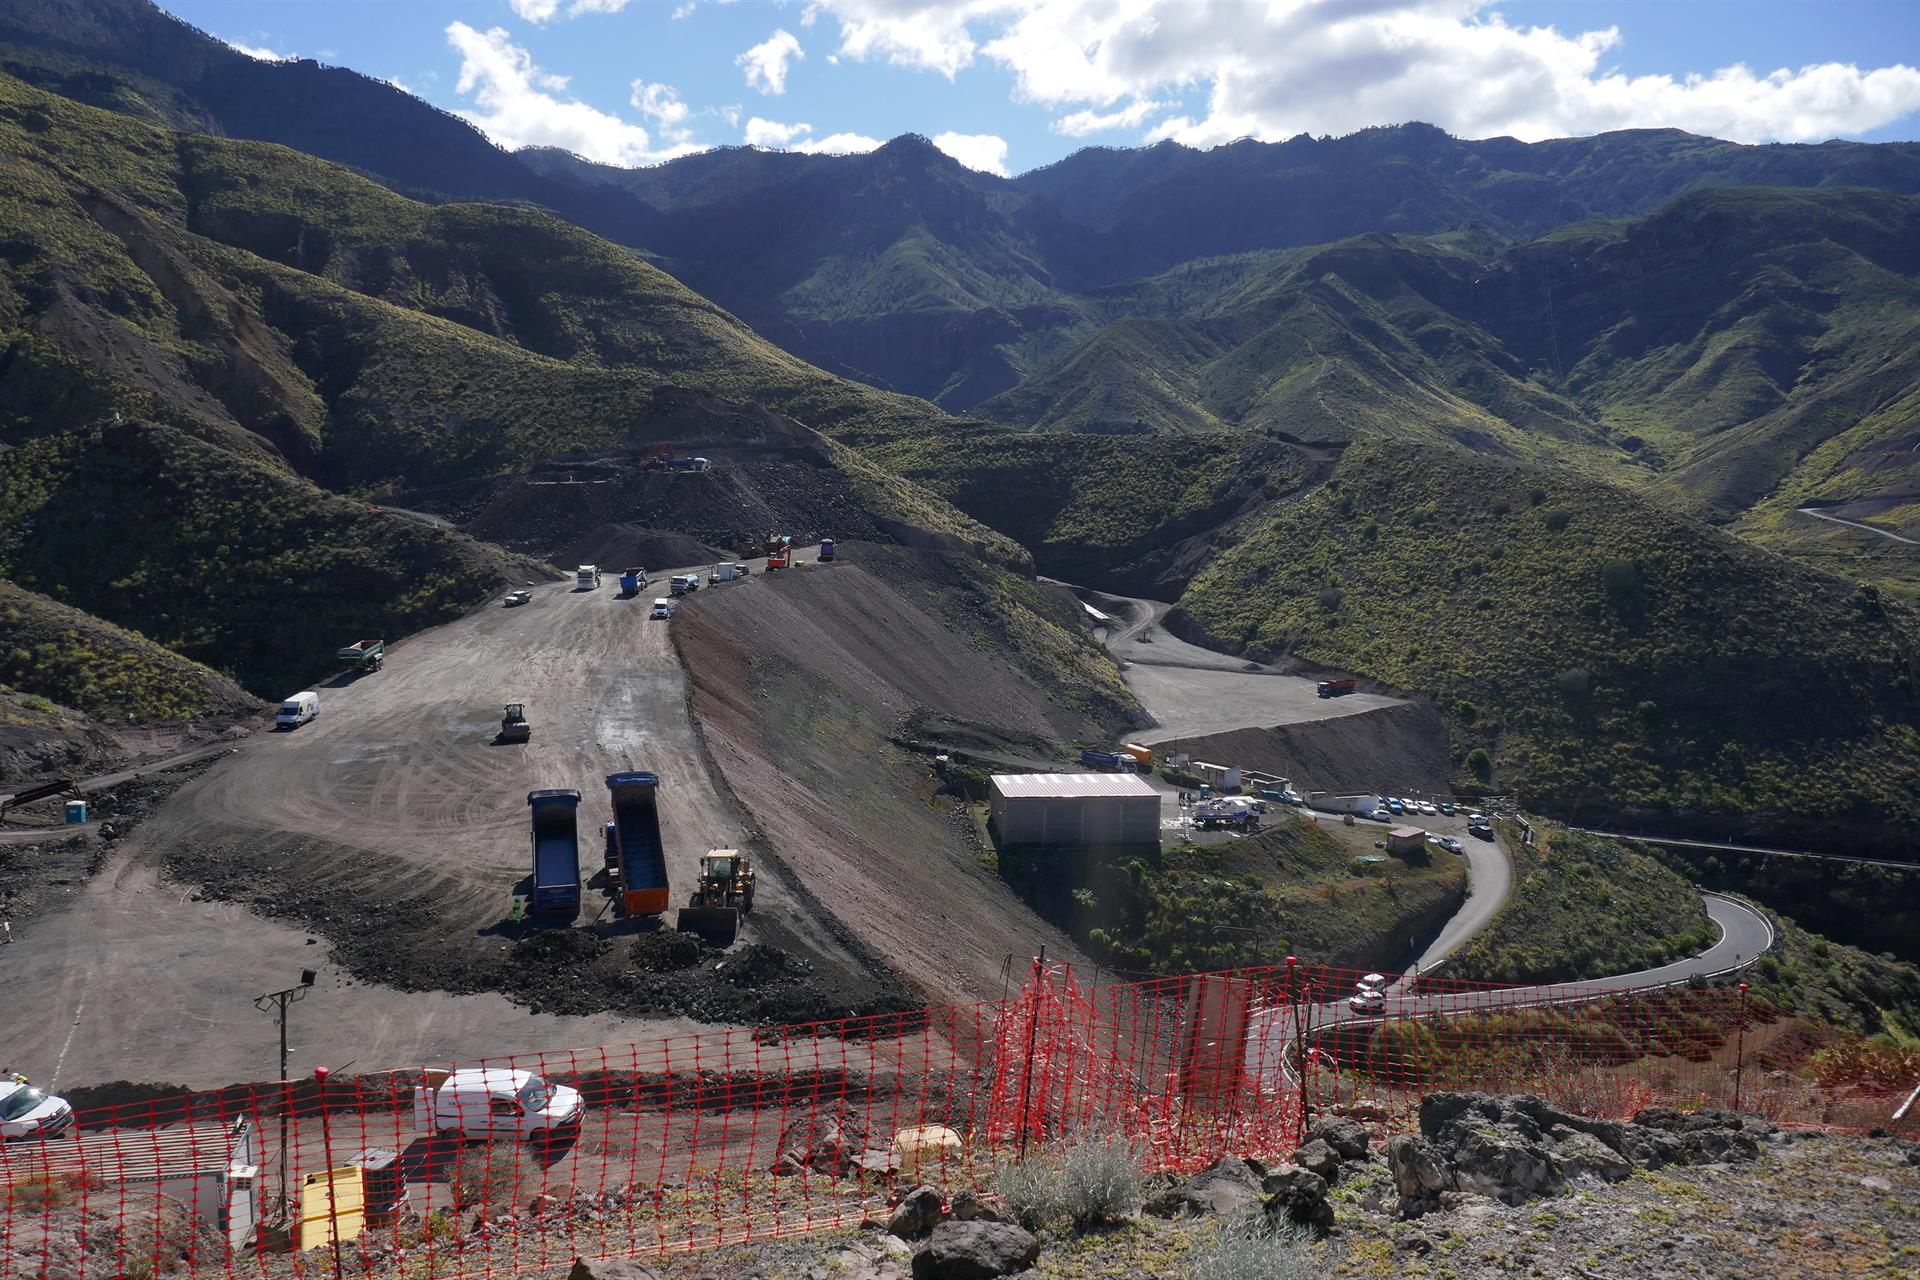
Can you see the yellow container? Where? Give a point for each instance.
(926, 1144)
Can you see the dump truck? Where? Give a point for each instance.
(826, 551)
(556, 851)
(1335, 688)
(1108, 760)
(687, 464)
(1142, 756)
(725, 894)
(513, 725)
(586, 578)
(366, 655)
(636, 862)
(632, 580)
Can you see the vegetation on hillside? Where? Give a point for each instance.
(51, 651)
(1840, 985)
(1584, 907)
(1608, 657)
(233, 563)
(1295, 888)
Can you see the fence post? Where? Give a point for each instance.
(1033, 1032)
(1740, 1054)
(1299, 1036)
(333, 1189)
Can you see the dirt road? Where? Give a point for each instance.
(1192, 691)
(394, 830)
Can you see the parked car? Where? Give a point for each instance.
(488, 1102)
(1446, 808)
(27, 1111)
(1428, 808)
(1450, 843)
(1369, 995)
(1381, 815)
(1290, 796)
(513, 598)
(1394, 804)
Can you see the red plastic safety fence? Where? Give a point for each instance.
(516, 1166)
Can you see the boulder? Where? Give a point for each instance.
(975, 1251)
(611, 1269)
(1581, 1155)
(1499, 1161)
(1226, 1187)
(829, 1143)
(1347, 1138)
(1319, 1158)
(1297, 1197)
(1420, 1173)
(919, 1211)
(969, 1207)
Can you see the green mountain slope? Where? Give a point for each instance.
(1607, 656)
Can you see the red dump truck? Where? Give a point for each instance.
(1335, 688)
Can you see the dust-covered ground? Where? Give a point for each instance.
(809, 690)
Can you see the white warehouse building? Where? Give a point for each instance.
(1073, 809)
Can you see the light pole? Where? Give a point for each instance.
(276, 1002)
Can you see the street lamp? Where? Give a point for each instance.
(276, 1002)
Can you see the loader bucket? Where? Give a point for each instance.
(719, 926)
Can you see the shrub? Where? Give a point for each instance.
(1481, 763)
(1032, 1190)
(488, 1175)
(1330, 598)
(1100, 1180)
(1466, 711)
(1249, 1249)
(1558, 519)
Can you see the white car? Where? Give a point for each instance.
(1381, 815)
(1449, 843)
(1369, 995)
(662, 607)
(1430, 809)
(30, 1112)
(513, 598)
(484, 1102)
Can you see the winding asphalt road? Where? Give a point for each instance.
(1745, 935)
(1855, 524)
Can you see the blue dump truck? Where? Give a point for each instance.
(636, 863)
(1111, 761)
(556, 852)
(632, 580)
(826, 551)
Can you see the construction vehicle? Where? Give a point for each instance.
(687, 464)
(779, 551)
(1335, 688)
(513, 725)
(1110, 761)
(556, 851)
(725, 894)
(367, 655)
(681, 583)
(586, 578)
(632, 580)
(826, 551)
(636, 862)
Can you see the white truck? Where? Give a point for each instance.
(724, 572)
(681, 583)
(492, 1102)
(587, 578)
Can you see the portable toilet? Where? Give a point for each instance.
(76, 812)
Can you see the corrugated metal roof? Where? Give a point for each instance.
(1408, 833)
(1070, 786)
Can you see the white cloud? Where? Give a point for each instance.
(1131, 116)
(1275, 68)
(983, 151)
(579, 7)
(772, 133)
(260, 53)
(512, 105)
(766, 63)
(536, 10)
(400, 84)
(798, 137)
(662, 104)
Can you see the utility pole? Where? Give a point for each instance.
(276, 1002)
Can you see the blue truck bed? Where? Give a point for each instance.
(556, 850)
(633, 838)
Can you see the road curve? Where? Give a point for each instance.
(1745, 935)
(1855, 524)
(1719, 846)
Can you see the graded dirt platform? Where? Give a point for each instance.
(394, 830)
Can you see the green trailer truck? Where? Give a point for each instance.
(367, 655)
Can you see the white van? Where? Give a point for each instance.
(298, 709)
(662, 607)
(491, 1102)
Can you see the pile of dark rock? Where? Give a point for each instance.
(1289, 1195)
(1513, 1148)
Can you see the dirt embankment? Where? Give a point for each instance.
(805, 683)
(1395, 749)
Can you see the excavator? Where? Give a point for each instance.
(725, 894)
(513, 725)
(779, 551)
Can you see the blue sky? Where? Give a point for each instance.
(1009, 85)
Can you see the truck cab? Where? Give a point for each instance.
(586, 578)
(662, 607)
(494, 1102)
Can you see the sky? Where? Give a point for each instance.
(1006, 86)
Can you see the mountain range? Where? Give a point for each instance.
(1302, 388)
